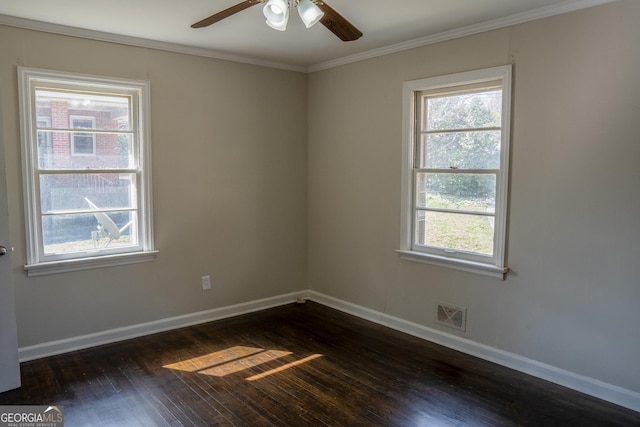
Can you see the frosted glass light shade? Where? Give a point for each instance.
(277, 14)
(309, 13)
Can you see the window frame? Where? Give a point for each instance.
(38, 263)
(493, 266)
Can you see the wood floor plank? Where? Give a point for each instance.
(297, 365)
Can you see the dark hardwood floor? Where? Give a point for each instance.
(297, 365)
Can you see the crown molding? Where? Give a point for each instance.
(519, 18)
(544, 12)
(65, 30)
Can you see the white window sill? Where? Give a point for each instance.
(66, 266)
(457, 264)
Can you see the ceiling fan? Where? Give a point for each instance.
(277, 14)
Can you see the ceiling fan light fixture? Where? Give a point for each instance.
(277, 14)
(280, 26)
(309, 12)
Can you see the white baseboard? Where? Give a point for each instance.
(105, 337)
(596, 388)
(611, 393)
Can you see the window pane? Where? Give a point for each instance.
(83, 144)
(66, 192)
(83, 123)
(463, 111)
(64, 234)
(461, 150)
(466, 192)
(459, 232)
(106, 112)
(112, 150)
(45, 149)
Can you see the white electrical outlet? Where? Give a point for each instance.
(206, 283)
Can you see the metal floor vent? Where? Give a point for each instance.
(452, 316)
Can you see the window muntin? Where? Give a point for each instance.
(456, 161)
(87, 193)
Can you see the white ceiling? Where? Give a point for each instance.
(387, 26)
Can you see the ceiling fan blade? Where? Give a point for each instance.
(337, 24)
(226, 13)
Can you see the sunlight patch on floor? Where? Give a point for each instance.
(237, 359)
(283, 367)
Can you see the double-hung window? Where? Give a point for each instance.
(86, 170)
(456, 154)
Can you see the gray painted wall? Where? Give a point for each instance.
(571, 299)
(229, 188)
